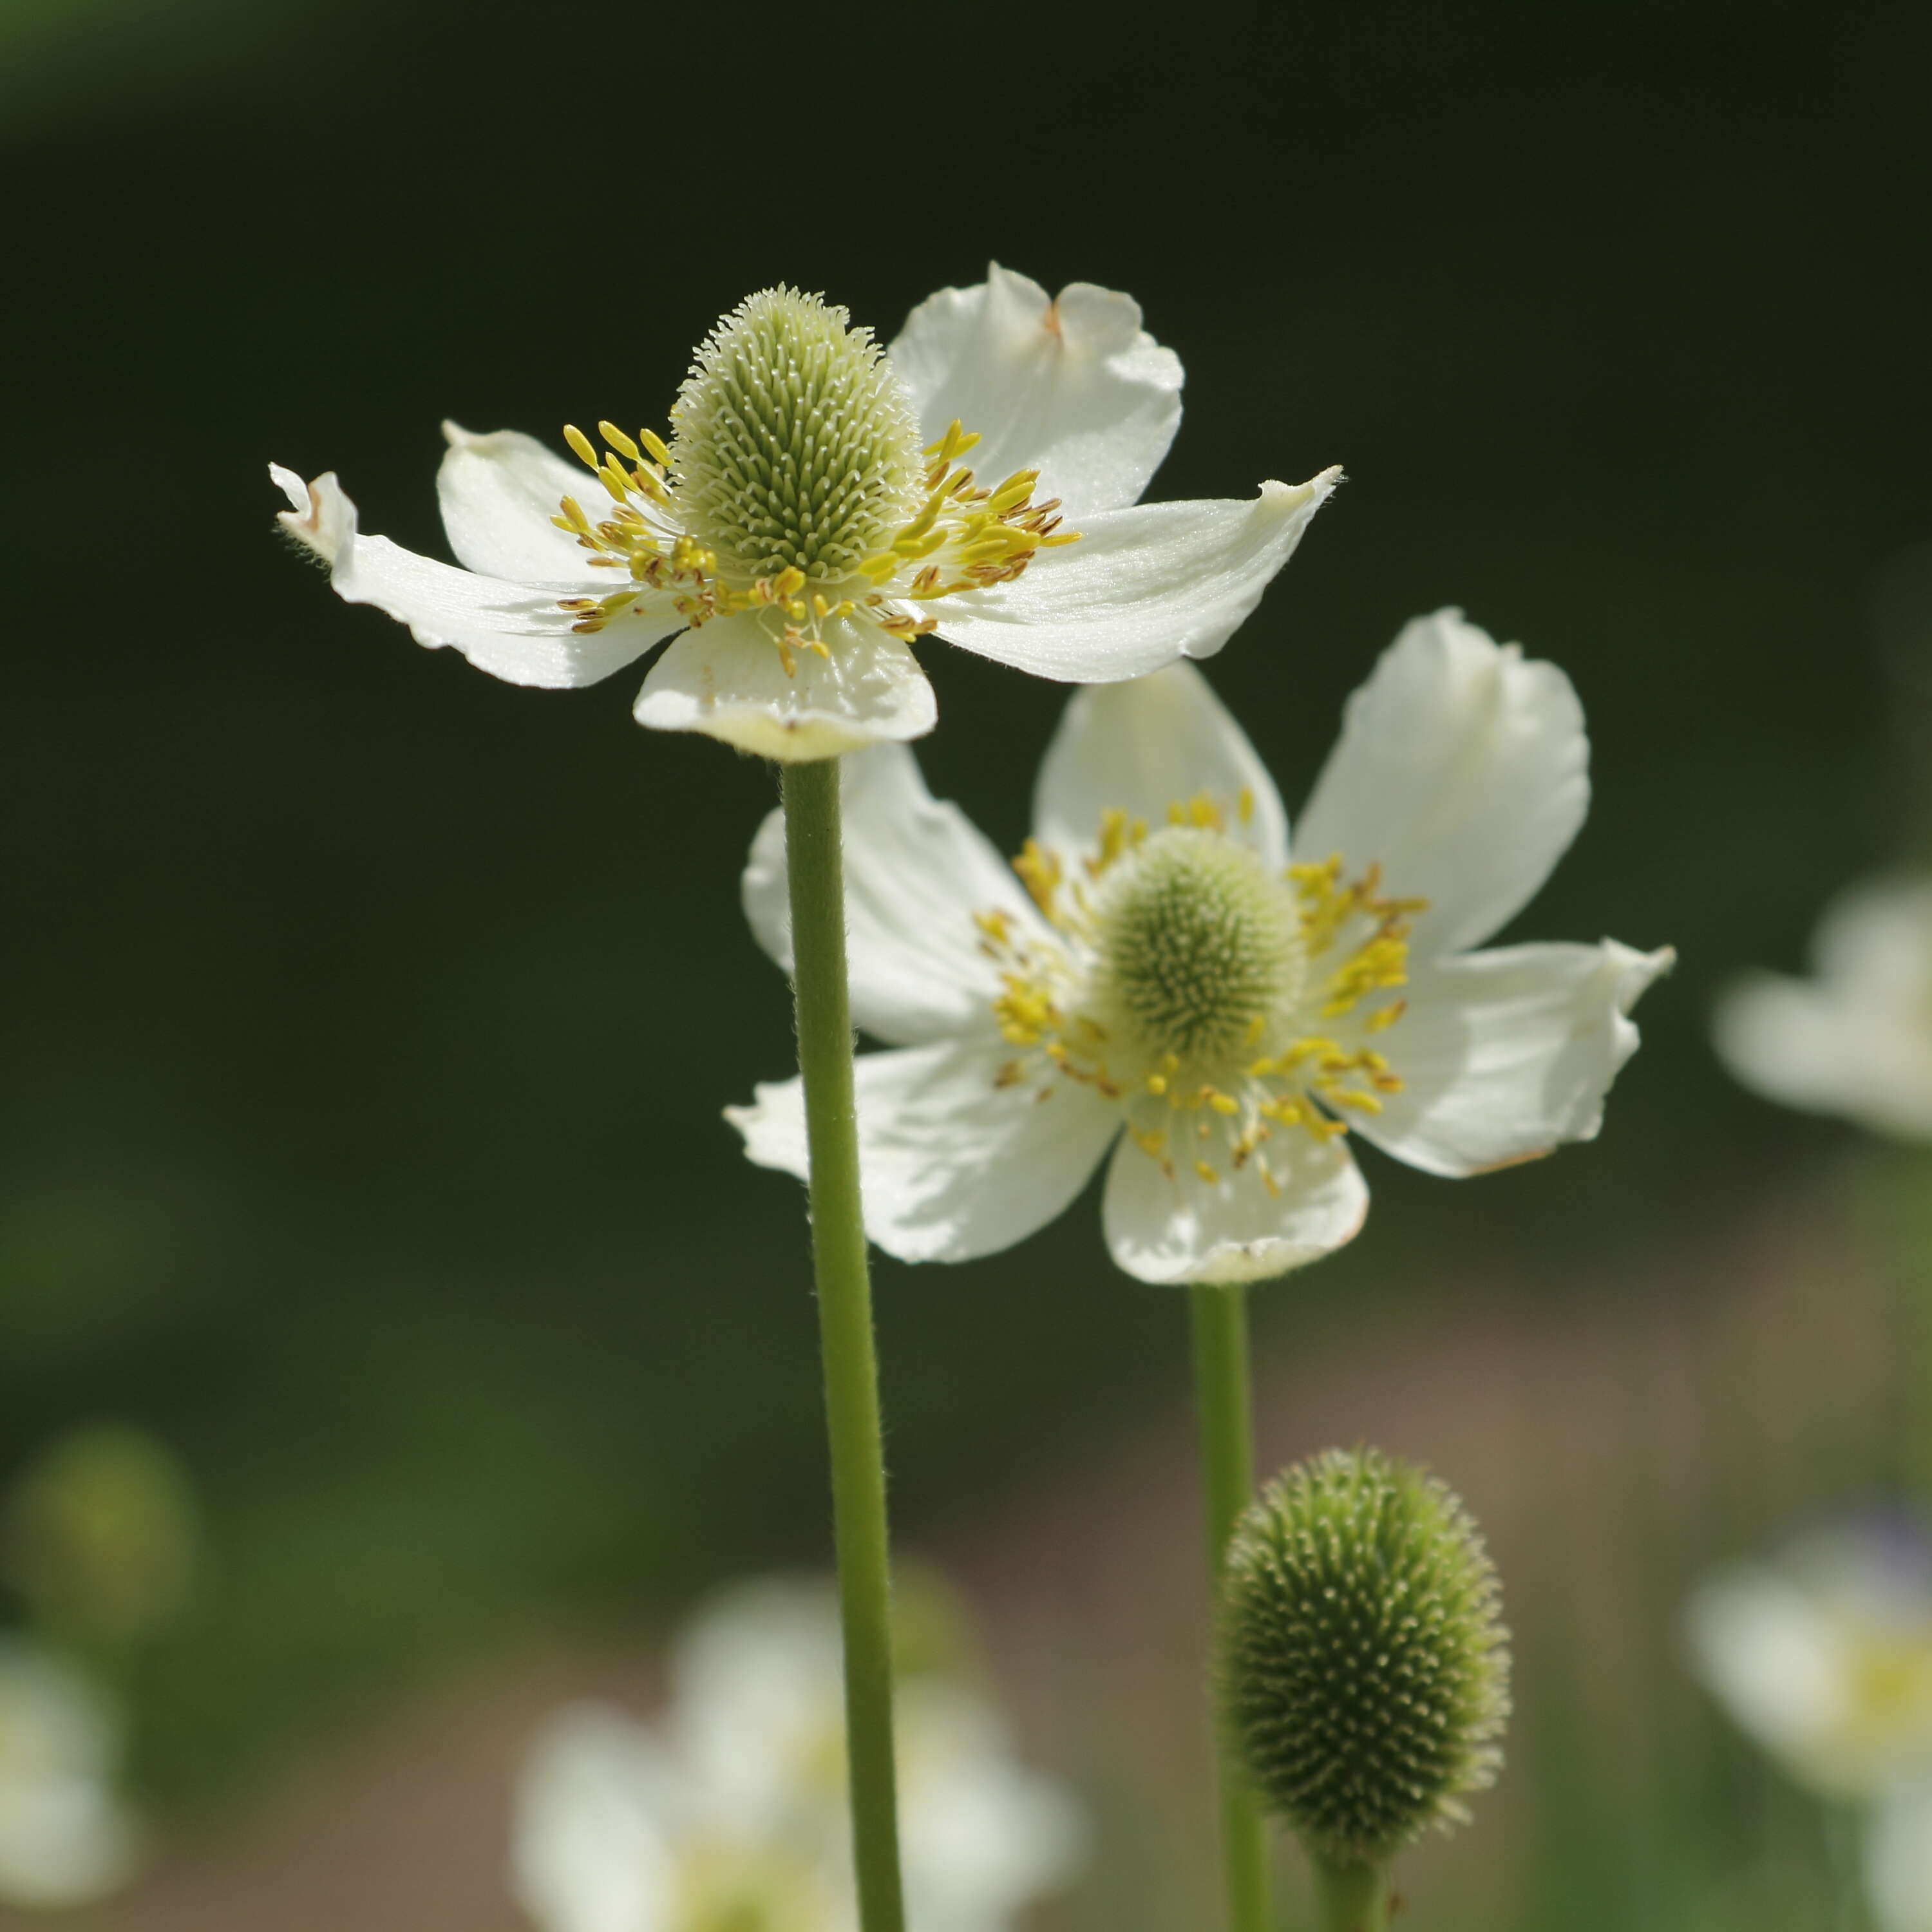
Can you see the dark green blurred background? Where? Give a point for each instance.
(366, 1022)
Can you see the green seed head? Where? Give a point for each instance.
(1364, 1672)
(1198, 946)
(795, 444)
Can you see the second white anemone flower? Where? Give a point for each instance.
(814, 511)
(1159, 969)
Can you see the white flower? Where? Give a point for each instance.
(731, 1811)
(1856, 1038)
(1824, 1655)
(1898, 1858)
(65, 1838)
(1168, 970)
(811, 516)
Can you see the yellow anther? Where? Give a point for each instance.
(996, 926)
(614, 480)
(655, 443)
(1013, 492)
(585, 450)
(1244, 804)
(1113, 842)
(1151, 1141)
(912, 531)
(996, 546)
(574, 510)
(957, 440)
(618, 441)
(790, 581)
(1063, 537)
(1156, 1083)
(1040, 869)
(1206, 1174)
(1384, 1017)
(1224, 1103)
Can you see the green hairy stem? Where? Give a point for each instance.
(812, 856)
(1223, 1410)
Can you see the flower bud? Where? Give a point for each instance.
(1363, 1670)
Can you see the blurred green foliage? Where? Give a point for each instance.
(98, 1536)
(368, 1021)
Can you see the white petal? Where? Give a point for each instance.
(983, 1837)
(727, 678)
(1505, 1055)
(952, 1165)
(916, 871)
(757, 1703)
(1875, 941)
(1462, 770)
(65, 1841)
(498, 493)
(1141, 746)
(593, 1823)
(512, 631)
(1804, 1046)
(1073, 386)
(1142, 586)
(1857, 1040)
(1773, 1661)
(1181, 1228)
(1898, 1858)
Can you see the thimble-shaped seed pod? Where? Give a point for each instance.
(1364, 1672)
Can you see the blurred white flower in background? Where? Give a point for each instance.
(729, 1811)
(1856, 1039)
(65, 1838)
(1824, 1655)
(1898, 1858)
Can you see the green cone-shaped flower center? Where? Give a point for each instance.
(1199, 947)
(795, 444)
